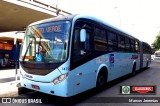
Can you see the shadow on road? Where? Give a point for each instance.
(4, 80)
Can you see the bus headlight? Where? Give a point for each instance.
(59, 79)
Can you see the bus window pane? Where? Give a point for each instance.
(127, 44)
(100, 35)
(132, 46)
(112, 42)
(100, 40)
(112, 39)
(76, 44)
(137, 47)
(81, 49)
(121, 45)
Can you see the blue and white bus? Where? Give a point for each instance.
(67, 55)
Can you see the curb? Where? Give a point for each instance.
(9, 89)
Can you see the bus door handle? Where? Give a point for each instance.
(83, 52)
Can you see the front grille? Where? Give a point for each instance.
(37, 71)
(39, 68)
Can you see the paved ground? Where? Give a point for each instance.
(146, 77)
(8, 85)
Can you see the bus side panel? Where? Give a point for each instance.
(127, 63)
(137, 62)
(141, 55)
(115, 63)
(146, 58)
(123, 64)
(83, 77)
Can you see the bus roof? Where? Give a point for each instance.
(145, 43)
(104, 23)
(58, 18)
(77, 16)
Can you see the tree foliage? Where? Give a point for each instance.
(156, 43)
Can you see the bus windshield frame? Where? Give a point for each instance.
(46, 42)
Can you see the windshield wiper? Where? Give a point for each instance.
(28, 47)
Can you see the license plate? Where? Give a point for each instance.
(35, 87)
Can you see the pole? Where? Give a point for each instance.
(119, 16)
(16, 60)
(57, 7)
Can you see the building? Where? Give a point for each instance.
(16, 15)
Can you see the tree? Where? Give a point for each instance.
(156, 43)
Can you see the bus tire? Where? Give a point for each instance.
(102, 78)
(133, 70)
(147, 65)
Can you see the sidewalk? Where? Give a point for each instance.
(8, 85)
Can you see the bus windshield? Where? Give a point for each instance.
(47, 42)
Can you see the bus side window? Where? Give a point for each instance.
(112, 42)
(121, 43)
(137, 47)
(87, 43)
(78, 51)
(127, 44)
(100, 39)
(133, 49)
(76, 44)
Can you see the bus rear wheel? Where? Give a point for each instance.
(133, 70)
(147, 65)
(101, 79)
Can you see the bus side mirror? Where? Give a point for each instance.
(83, 35)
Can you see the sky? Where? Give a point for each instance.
(140, 18)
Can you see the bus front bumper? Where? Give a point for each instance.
(46, 87)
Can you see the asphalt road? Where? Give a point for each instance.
(111, 92)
